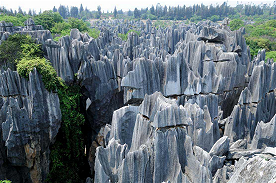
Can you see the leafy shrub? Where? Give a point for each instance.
(16, 47)
(271, 23)
(65, 32)
(271, 55)
(67, 154)
(5, 181)
(236, 24)
(61, 26)
(32, 50)
(78, 24)
(261, 35)
(215, 18)
(48, 19)
(196, 18)
(15, 20)
(94, 33)
(44, 67)
(124, 36)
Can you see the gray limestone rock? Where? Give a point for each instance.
(158, 136)
(30, 120)
(221, 147)
(265, 134)
(255, 169)
(185, 86)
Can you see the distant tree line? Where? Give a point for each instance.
(159, 12)
(201, 11)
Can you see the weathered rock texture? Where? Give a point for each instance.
(197, 108)
(196, 103)
(30, 120)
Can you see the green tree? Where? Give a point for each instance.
(99, 13)
(81, 8)
(214, 18)
(78, 24)
(94, 33)
(16, 47)
(44, 67)
(63, 11)
(74, 11)
(48, 19)
(236, 24)
(271, 55)
(17, 20)
(115, 12)
(136, 13)
(61, 26)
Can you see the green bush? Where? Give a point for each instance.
(215, 18)
(59, 27)
(236, 24)
(48, 19)
(94, 33)
(65, 32)
(16, 47)
(15, 20)
(67, 154)
(5, 181)
(124, 36)
(44, 67)
(196, 18)
(261, 35)
(32, 50)
(271, 23)
(78, 24)
(271, 55)
(64, 28)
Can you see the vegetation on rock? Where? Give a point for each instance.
(5, 181)
(16, 47)
(67, 153)
(124, 36)
(260, 35)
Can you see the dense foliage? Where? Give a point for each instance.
(94, 33)
(271, 55)
(259, 35)
(16, 47)
(64, 28)
(236, 24)
(195, 13)
(67, 154)
(44, 67)
(17, 20)
(48, 19)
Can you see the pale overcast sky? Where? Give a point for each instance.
(110, 4)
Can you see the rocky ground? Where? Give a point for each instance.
(184, 103)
